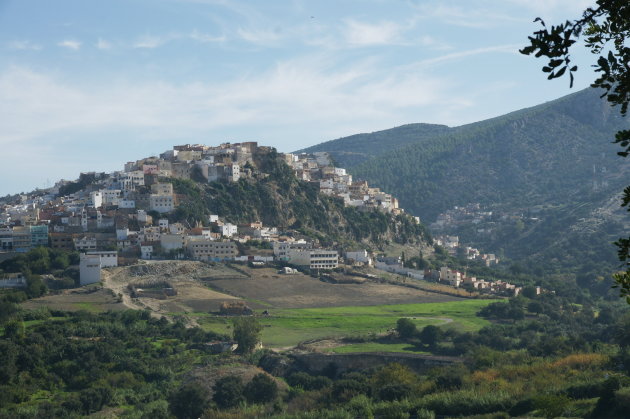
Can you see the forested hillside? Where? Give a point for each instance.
(353, 150)
(555, 161)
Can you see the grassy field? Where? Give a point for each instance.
(288, 327)
(375, 347)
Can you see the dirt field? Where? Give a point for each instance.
(267, 288)
(201, 288)
(188, 278)
(93, 299)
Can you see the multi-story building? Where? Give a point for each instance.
(164, 188)
(22, 238)
(108, 258)
(162, 203)
(6, 238)
(315, 258)
(61, 241)
(205, 249)
(85, 243)
(89, 269)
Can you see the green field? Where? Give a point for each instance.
(288, 327)
(376, 347)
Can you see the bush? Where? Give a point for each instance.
(261, 389)
(189, 402)
(308, 382)
(466, 402)
(394, 410)
(396, 391)
(360, 407)
(425, 414)
(406, 328)
(228, 392)
(345, 389)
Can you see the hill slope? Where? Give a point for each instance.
(277, 198)
(556, 158)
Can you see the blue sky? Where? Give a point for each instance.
(89, 85)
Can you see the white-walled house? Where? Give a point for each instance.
(229, 230)
(146, 252)
(109, 258)
(89, 269)
(360, 256)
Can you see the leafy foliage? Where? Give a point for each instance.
(246, 332)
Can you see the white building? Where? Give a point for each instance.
(177, 228)
(171, 241)
(89, 269)
(122, 233)
(359, 256)
(162, 188)
(126, 203)
(109, 258)
(162, 203)
(83, 244)
(228, 230)
(281, 249)
(110, 196)
(96, 199)
(315, 258)
(451, 277)
(146, 252)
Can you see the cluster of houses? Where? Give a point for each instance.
(484, 220)
(450, 277)
(458, 279)
(335, 181)
(121, 216)
(454, 248)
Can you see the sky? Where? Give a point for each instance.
(89, 85)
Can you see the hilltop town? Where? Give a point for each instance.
(126, 213)
(120, 217)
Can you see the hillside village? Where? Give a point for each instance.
(119, 217)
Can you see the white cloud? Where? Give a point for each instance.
(477, 14)
(366, 34)
(24, 45)
(103, 44)
(70, 44)
(155, 41)
(260, 36)
(205, 38)
(433, 43)
(510, 49)
(303, 92)
(148, 41)
(554, 9)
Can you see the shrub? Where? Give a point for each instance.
(188, 402)
(261, 389)
(228, 392)
(406, 328)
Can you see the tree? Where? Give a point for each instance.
(430, 335)
(228, 392)
(406, 328)
(188, 402)
(261, 389)
(246, 333)
(606, 28)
